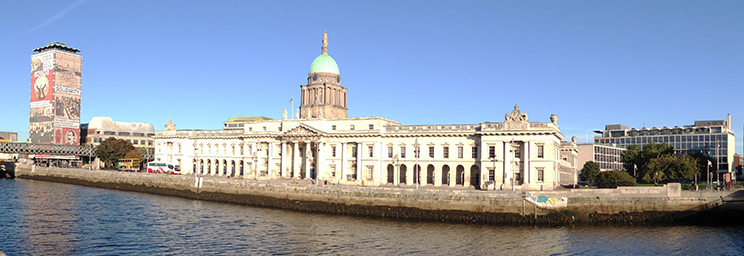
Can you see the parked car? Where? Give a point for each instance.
(584, 185)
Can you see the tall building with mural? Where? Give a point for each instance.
(55, 95)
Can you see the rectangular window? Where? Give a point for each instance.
(517, 152)
(138, 134)
(491, 175)
(390, 152)
(109, 133)
(460, 151)
(475, 152)
(353, 151)
(333, 151)
(540, 175)
(491, 152)
(371, 151)
(333, 127)
(351, 127)
(402, 152)
(445, 152)
(540, 151)
(135, 142)
(371, 126)
(124, 133)
(149, 143)
(431, 152)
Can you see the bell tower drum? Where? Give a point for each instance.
(323, 96)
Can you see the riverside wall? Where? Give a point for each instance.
(631, 205)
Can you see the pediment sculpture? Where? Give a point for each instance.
(516, 119)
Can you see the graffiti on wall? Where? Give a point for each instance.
(544, 201)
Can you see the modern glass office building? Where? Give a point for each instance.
(714, 138)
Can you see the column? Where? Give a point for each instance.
(360, 153)
(270, 159)
(507, 162)
(343, 161)
(527, 170)
(295, 161)
(306, 159)
(283, 160)
(319, 161)
(377, 171)
(437, 176)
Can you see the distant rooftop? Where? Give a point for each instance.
(248, 118)
(57, 45)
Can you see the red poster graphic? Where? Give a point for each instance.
(66, 136)
(42, 86)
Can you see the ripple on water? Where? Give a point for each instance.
(60, 219)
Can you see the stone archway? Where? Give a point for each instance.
(430, 174)
(209, 166)
(224, 167)
(475, 177)
(390, 174)
(445, 175)
(402, 176)
(242, 166)
(460, 175)
(201, 167)
(232, 167)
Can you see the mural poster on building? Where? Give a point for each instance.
(66, 136)
(67, 107)
(41, 96)
(69, 62)
(42, 83)
(68, 79)
(40, 132)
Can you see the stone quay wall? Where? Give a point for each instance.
(555, 207)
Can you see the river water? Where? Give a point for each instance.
(43, 218)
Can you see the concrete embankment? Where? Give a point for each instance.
(446, 205)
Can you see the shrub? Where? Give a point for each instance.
(613, 179)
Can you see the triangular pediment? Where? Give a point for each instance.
(303, 130)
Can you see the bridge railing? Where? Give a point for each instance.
(46, 149)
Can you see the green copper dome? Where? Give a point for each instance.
(324, 63)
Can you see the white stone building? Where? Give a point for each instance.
(374, 150)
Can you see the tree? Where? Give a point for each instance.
(134, 154)
(666, 168)
(589, 172)
(113, 149)
(634, 158)
(613, 179)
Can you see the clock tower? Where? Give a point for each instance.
(323, 96)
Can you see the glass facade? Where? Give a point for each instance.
(713, 141)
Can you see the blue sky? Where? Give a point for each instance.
(592, 63)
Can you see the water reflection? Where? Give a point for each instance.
(60, 219)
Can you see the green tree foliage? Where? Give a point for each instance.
(589, 172)
(633, 157)
(702, 163)
(613, 179)
(669, 168)
(113, 149)
(133, 154)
